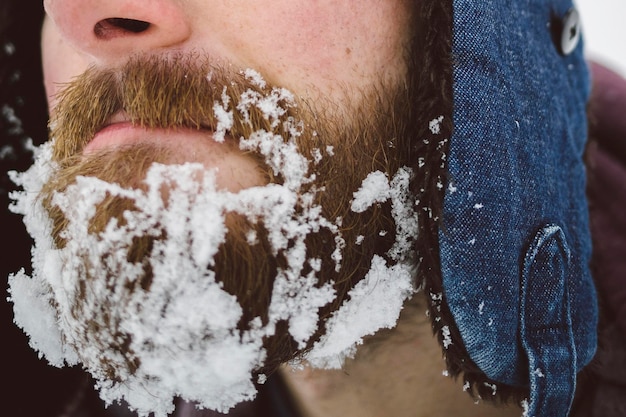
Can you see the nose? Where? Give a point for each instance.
(110, 30)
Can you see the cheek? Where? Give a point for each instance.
(60, 62)
(311, 50)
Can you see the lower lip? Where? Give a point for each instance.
(126, 133)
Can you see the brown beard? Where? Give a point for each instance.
(175, 93)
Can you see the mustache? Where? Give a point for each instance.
(181, 91)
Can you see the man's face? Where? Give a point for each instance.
(324, 50)
(315, 49)
(295, 197)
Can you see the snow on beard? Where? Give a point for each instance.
(162, 284)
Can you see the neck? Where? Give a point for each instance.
(398, 374)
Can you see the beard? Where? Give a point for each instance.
(160, 271)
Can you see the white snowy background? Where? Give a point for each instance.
(604, 26)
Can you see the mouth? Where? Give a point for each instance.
(235, 169)
(120, 131)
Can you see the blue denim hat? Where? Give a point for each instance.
(515, 241)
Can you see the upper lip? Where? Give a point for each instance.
(117, 118)
(121, 117)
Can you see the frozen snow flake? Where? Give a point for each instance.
(298, 300)
(317, 155)
(478, 206)
(337, 254)
(294, 128)
(255, 77)
(186, 314)
(493, 387)
(539, 373)
(481, 307)
(247, 99)
(79, 202)
(466, 386)
(315, 264)
(34, 313)
(14, 76)
(435, 125)
(275, 205)
(374, 189)
(404, 215)
(273, 104)
(270, 105)
(9, 48)
(224, 117)
(14, 123)
(7, 151)
(215, 384)
(385, 287)
(252, 238)
(283, 158)
(436, 298)
(446, 337)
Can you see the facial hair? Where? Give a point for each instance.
(335, 155)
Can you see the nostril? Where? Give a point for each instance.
(118, 26)
(131, 25)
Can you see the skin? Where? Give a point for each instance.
(315, 48)
(310, 47)
(402, 376)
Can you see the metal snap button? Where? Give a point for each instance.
(571, 30)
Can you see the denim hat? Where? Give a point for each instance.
(515, 241)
